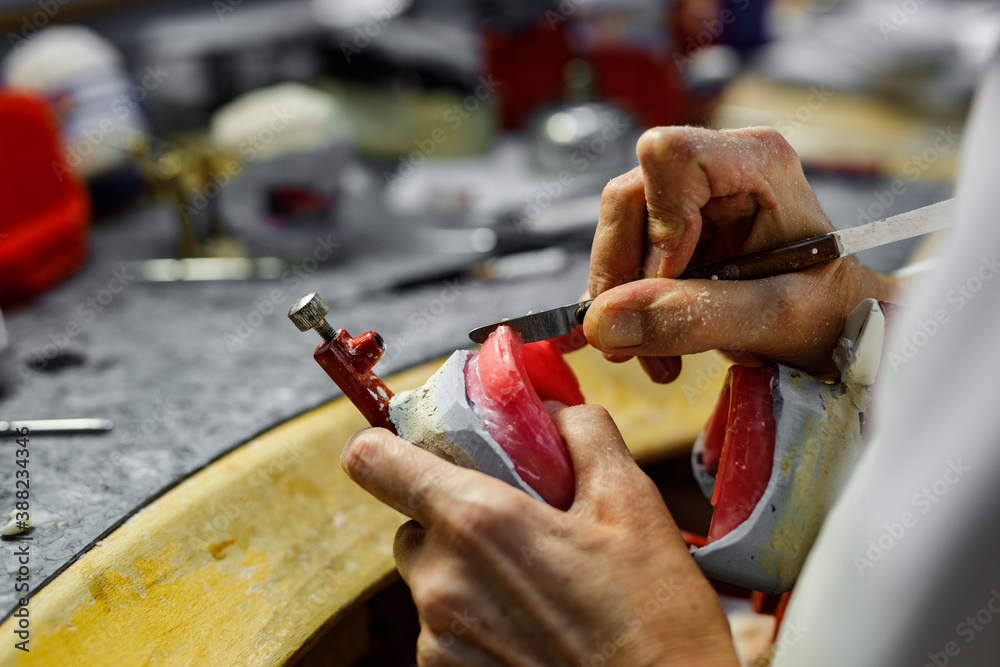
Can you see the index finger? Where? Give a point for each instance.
(619, 242)
(407, 478)
(651, 217)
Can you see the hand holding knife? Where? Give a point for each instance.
(786, 258)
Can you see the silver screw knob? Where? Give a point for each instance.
(310, 312)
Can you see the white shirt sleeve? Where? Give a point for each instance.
(906, 570)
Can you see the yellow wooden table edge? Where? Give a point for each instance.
(250, 558)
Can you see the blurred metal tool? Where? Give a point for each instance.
(540, 326)
(10, 429)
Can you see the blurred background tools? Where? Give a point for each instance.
(13, 429)
(176, 173)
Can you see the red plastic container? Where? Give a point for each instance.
(44, 208)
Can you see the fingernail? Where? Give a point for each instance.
(620, 327)
(554, 406)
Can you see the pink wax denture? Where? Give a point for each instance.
(513, 414)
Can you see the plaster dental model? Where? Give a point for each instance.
(486, 410)
(775, 454)
(482, 410)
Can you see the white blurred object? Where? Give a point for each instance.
(928, 54)
(344, 15)
(280, 119)
(83, 75)
(286, 134)
(6, 355)
(57, 55)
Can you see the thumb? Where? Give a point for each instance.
(602, 464)
(665, 317)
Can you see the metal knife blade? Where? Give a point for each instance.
(540, 326)
(898, 227)
(793, 256)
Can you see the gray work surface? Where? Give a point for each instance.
(188, 371)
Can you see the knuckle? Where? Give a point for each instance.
(587, 416)
(437, 598)
(434, 487)
(667, 225)
(472, 523)
(660, 144)
(617, 194)
(601, 281)
(359, 457)
(428, 649)
(773, 143)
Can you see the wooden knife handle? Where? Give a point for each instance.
(794, 256)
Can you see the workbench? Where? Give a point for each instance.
(213, 525)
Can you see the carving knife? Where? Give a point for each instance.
(786, 258)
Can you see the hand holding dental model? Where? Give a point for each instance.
(541, 586)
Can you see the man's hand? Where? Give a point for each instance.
(499, 578)
(700, 196)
